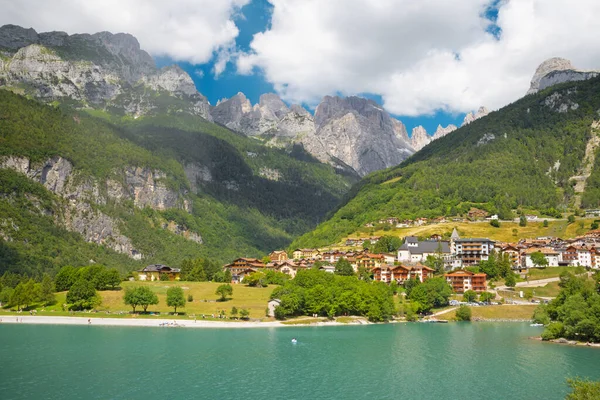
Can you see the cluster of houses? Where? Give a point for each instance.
(581, 251)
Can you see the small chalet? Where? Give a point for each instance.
(242, 267)
(463, 280)
(401, 273)
(415, 251)
(278, 256)
(154, 271)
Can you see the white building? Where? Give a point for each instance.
(414, 251)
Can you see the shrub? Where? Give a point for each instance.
(553, 331)
(495, 223)
(463, 313)
(190, 298)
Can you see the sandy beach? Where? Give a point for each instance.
(170, 323)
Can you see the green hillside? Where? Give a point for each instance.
(240, 210)
(523, 155)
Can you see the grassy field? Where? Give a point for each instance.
(559, 228)
(552, 272)
(505, 312)
(203, 293)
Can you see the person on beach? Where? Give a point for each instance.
(89, 321)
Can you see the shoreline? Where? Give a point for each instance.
(567, 342)
(158, 323)
(179, 323)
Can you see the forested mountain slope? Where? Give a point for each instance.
(81, 186)
(523, 155)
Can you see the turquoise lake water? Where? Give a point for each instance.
(409, 361)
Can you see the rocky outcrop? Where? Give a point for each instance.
(145, 187)
(359, 133)
(470, 117)
(441, 132)
(557, 70)
(271, 116)
(100, 70)
(419, 138)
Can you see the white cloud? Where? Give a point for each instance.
(419, 56)
(185, 30)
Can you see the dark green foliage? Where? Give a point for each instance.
(343, 267)
(522, 220)
(434, 292)
(175, 297)
(82, 295)
(510, 280)
(318, 292)
(256, 216)
(545, 223)
(495, 223)
(575, 312)
(410, 284)
(486, 297)
(256, 279)
(469, 168)
(538, 259)
(583, 389)
(46, 290)
(463, 313)
(65, 278)
(140, 296)
(387, 244)
(224, 291)
(244, 314)
(594, 225)
(469, 296)
(571, 219)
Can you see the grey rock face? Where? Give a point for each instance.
(557, 70)
(470, 117)
(270, 116)
(100, 70)
(358, 133)
(346, 132)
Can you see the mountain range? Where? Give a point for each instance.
(105, 158)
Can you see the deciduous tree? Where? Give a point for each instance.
(224, 291)
(175, 297)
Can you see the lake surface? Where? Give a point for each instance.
(410, 361)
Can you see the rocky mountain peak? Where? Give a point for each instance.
(441, 131)
(14, 37)
(419, 138)
(274, 104)
(557, 70)
(550, 65)
(470, 117)
(101, 69)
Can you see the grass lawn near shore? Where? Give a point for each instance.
(203, 293)
(503, 312)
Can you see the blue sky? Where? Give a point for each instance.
(254, 18)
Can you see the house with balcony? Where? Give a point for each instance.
(154, 271)
(463, 280)
(550, 255)
(474, 250)
(401, 273)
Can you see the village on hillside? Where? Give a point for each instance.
(457, 255)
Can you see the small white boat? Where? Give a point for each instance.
(294, 341)
(536, 324)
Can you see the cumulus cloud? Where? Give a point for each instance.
(419, 56)
(184, 30)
